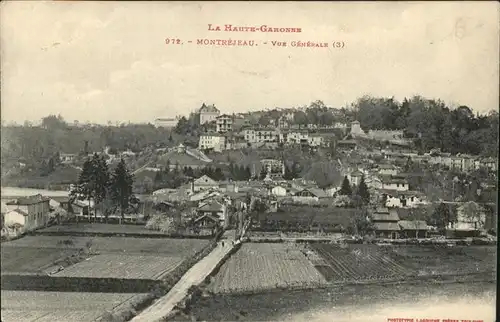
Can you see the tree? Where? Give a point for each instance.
(363, 191)
(263, 173)
(441, 217)
(345, 189)
(100, 177)
(361, 223)
(248, 173)
(121, 187)
(473, 213)
(84, 189)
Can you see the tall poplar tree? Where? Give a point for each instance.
(121, 187)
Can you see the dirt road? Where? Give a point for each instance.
(194, 276)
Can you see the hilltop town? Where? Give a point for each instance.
(312, 197)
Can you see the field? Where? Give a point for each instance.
(356, 262)
(58, 306)
(372, 262)
(258, 267)
(31, 253)
(99, 228)
(162, 246)
(31, 259)
(349, 303)
(442, 260)
(122, 266)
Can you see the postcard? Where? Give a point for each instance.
(249, 161)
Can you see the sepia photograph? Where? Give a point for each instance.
(249, 161)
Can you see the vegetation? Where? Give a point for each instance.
(345, 189)
(285, 267)
(109, 192)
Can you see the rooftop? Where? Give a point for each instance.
(31, 200)
(208, 109)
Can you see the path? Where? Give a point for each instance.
(194, 276)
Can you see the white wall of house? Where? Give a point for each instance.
(278, 191)
(391, 172)
(13, 217)
(395, 186)
(396, 202)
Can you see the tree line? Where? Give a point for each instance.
(109, 190)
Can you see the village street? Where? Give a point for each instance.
(194, 276)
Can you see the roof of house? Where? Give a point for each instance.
(386, 226)
(205, 180)
(31, 200)
(208, 109)
(212, 206)
(409, 193)
(386, 166)
(183, 159)
(213, 218)
(356, 173)
(412, 224)
(317, 192)
(19, 211)
(389, 215)
(394, 180)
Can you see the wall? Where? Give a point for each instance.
(13, 217)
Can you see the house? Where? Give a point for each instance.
(489, 163)
(315, 140)
(30, 212)
(403, 199)
(208, 113)
(385, 222)
(387, 169)
(278, 191)
(273, 166)
(308, 194)
(67, 158)
(356, 129)
(224, 123)
(204, 183)
(81, 209)
(390, 183)
(167, 122)
(355, 177)
(347, 144)
(260, 135)
(470, 222)
(214, 141)
(413, 228)
(205, 224)
(183, 157)
(214, 208)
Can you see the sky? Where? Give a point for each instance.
(108, 61)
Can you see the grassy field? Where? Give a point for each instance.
(32, 253)
(99, 228)
(122, 266)
(157, 246)
(356, 262)
(372, 262)
(431, 260)
(31, 259)
(58, 306)
(258, 267)
(358, 303)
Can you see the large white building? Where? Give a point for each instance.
(261, 135)
(214, 141)
(224, 123)
(208, 113)
(166, 122)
